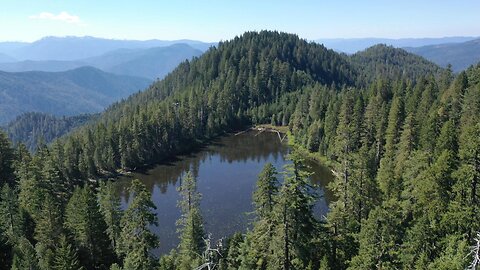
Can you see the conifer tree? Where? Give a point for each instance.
(48, 231)
(379, 238)
(389, 185)
(6, 160)
(109, 204)
(65, 257)
(136, 240)
(190, 224)
(11, 216)
(88, 229)
(258, 253)
(25, 256)
(296, 229)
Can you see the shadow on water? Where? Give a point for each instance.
(226, 171)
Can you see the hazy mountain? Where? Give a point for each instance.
(8, 47)
(352, 45)
(47, 65)
(148, 63)
(6, 58)
(82, 90)
(75, 48)
(459, 55)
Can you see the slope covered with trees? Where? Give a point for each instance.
(389, 63)
(73, 92)
(405, 148)
(34, 128)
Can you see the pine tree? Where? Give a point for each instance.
(88, 229)
(379, 238)
(292, 240)
(32, 189)
(11, 216)
(25, 256)
(65, 257)
(264, 200)
(344, 144)
(190, 224)
(467, 187)
(48, 231)
(406, 145)
(109, 204)
(6, 160)
(389, 185)
(136, 240)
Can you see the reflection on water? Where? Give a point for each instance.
(226, 173)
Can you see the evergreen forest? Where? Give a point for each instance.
(400, 133)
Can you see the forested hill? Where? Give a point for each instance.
(33, 128)
(259, 66)
(208, 96)
(227, 88)
(381, 61)
(404, 146)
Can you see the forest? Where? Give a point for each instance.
(401, 133)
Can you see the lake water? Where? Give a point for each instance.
(226, 173)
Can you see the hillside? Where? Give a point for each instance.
(32, 128)
(82, 90)
(310, 68)
(232, 86)
(46, 65)
(403, 143)
(459, 55)
(389, 62)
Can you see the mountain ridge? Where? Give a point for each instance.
(74, 48)
(150, 63)
(82, 90)
(459, 55)
(353, 45)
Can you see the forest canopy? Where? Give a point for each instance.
(401, 133)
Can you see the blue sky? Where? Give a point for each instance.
(28, 20)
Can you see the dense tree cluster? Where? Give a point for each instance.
(33, 128)
(403, 142)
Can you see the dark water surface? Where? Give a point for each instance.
(226, 173)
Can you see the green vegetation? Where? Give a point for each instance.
(405, 147)
(33, 129)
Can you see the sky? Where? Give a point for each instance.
(214, 20)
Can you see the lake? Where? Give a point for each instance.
(226, 173)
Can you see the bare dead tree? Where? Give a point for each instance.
(475, 253)
(210, 254)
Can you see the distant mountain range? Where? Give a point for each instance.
(459, 55)
(76, 48)
(353, 45)
(6, 59)
(150, 63)
(74, 75)
(460, 52)
(78, 91)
